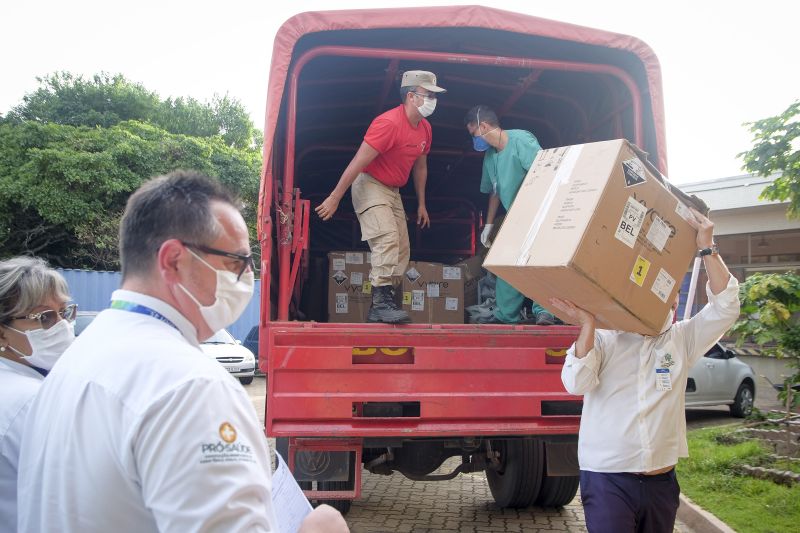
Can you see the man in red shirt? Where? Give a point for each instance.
(396, 143)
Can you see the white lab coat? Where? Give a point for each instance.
(136, 430)
(18, 387)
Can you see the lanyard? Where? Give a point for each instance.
(131, 307)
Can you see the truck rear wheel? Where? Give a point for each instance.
(556, 491)
(518, 480)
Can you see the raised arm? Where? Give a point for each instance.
(582, 365)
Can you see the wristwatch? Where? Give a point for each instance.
(714, 250)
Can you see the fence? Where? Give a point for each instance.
(91, 290)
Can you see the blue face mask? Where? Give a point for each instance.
(480, 144)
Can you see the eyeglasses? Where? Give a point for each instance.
(429, 95)
(247, 260)
(47, 319)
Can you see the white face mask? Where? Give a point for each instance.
(231, 297)
(428, 106)
(47, 345)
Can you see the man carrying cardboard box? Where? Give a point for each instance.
(633, 426)
(508, 155)
(396, 143)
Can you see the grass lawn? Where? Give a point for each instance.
(746, 504)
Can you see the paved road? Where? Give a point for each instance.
(464, 504)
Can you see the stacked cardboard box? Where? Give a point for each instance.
(349, 289)
(597, 224)
(472, 272)
(433, 293)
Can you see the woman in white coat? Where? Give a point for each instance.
(36, 326)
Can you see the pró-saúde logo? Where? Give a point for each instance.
(226, 450)
(227, 432)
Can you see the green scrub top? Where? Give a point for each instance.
(504, 171)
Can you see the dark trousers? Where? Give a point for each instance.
(627, 503)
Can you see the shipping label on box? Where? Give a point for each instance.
(349, 289)
(595, 224)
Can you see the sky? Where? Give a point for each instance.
(723, 63)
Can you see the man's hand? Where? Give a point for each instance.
(704, 227)
(326, 209)
(487, 229)
(324, 519)
(423, 220)
(573, 314)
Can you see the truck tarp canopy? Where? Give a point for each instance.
(342, 96)
(333, 72)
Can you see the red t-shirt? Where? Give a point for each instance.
(400, 145)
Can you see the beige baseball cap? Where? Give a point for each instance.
(421, 78)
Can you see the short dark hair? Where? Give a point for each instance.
(405, 90)
(174, 206)
(486, 114)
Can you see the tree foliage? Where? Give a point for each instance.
(771, 316)
(74, 151)
(106, 100)
(776, 150)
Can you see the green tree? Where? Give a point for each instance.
(63, 188)
(776, 150)
(771, 318)
(105, 100)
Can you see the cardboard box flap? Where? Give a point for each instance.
(692, 200)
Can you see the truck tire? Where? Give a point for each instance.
(556, 491)
(517, 482)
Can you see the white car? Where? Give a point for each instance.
(720, 378)
(236, 359)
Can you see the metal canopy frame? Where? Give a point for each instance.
(536, 66)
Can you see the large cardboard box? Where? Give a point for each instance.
(472, 272)
(349, 289)
(596, 224)
(433, 293)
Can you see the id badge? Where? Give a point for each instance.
(663, 379)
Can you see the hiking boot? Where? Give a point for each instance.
(384, 308)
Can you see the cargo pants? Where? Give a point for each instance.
(380, 212)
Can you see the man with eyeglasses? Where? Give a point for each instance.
(135, 429)
(396, 143)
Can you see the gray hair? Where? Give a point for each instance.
(405, 90)
(25, 283)
(174, 206)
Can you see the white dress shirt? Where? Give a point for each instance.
(631, 422)
(135, 430)
(18, 387)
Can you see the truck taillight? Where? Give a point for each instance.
(555, 356)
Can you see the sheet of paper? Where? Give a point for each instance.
(290, 504)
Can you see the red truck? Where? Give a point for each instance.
(408, 397)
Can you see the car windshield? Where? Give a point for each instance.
(220, 337)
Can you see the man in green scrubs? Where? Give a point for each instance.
(508, 154)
